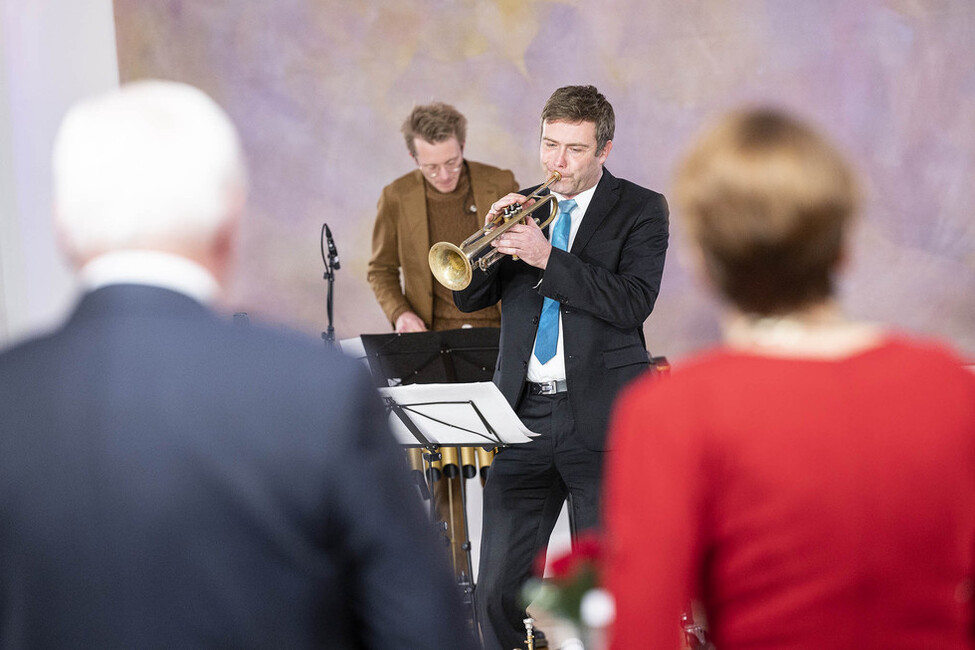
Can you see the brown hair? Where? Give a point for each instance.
(582, 104)
(434, 123)
(767, 200)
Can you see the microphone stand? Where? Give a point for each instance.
(331, 262)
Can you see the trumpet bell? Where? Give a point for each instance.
(450, 266)
(453, 266)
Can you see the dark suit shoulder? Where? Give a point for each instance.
(291, 355)
(627, 188)
(19, 358)
(627, 197)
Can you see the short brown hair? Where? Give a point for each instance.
(576, 104)
(768, 201)
(434, 123)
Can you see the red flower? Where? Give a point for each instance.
(586, 553)
(574, 575)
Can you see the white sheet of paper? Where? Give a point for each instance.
(352, 347)
(445, 415)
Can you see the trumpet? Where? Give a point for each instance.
(453, 266)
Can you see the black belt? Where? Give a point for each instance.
(547, 387)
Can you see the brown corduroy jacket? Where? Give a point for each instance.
(401, 238)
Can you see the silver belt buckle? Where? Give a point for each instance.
(548, 388)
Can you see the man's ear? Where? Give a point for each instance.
(224, 248)
(604, 154)
(63, 242)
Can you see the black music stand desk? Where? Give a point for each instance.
(461, 355)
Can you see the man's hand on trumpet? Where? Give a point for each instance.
(527, 242)
(507, 200)
(524, 240)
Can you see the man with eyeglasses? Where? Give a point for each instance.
(443, 199)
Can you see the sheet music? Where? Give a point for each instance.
(445, 414)
(352, 347)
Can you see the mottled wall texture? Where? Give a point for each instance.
(320, 88)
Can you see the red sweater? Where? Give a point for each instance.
(809, 504)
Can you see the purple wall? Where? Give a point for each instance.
(319, 90)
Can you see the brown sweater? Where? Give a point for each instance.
(451, 219)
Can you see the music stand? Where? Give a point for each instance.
(443, 358)
(464, 355)
(452, 415)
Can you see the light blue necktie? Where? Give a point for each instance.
(547, 338)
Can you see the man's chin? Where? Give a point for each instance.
(563, 187)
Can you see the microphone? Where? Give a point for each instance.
(333, 253)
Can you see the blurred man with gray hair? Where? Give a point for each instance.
(169, 480)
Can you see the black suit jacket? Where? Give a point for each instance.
(607, 285)
(168, 480)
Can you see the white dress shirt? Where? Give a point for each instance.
(554, 369)
(152, 268)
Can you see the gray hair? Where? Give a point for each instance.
(153, 163)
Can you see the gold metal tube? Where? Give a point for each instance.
(453, 266)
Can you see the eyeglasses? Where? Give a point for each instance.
(452, 166)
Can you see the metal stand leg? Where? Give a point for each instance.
(432, 454)
(466, 580)
(573, 531)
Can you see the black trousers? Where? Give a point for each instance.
(523, 496)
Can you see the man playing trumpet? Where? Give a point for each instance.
(573, 306)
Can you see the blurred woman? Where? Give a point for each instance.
(812, 480)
